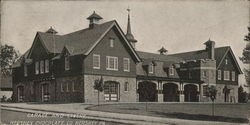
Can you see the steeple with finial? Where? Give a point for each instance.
(129, 34)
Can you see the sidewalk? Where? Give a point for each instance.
(79, 108)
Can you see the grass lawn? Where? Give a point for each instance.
(238, 113)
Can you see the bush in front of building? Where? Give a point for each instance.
(243, 96)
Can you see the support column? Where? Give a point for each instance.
(181, 89)
(137, 94)
(159, 91)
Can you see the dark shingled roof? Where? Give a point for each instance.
(203, 54)
(94, 15)
(78, 42)
(159, 57)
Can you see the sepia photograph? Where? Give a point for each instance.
(131, 62)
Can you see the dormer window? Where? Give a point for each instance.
(41, 66)
(37, 67)
(46, 66)
(151, 68)
(66, 61)
(171, 70)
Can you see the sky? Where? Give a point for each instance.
(179, 26)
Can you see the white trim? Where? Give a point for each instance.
(35, 40)
(99, 65)
(46, 62)
(225, 73)
(219, 74)
(233, 75)
(151, 69)
(42, 67)
(128, 69)
(37, 67)
(171, 71)
(115, 63)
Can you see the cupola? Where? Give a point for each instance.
(94, 19)
(51, 30)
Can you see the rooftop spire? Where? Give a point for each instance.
(129, 34)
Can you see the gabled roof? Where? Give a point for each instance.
(159, 57)
(220, 53)
(94, 16)
(80, 42)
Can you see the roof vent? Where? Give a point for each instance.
(94, 19)
(51, 30)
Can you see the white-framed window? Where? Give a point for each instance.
(111, 63)
(37, 67)
(126, 86)
(151, 68)
(96, 61)
(41, 66)
(111, 42)
(126, 64)
(66, 62)
(171, 71)
(25, 69)
(67, 86)
(226, 61)
(46, 66)
(226, 75)
(233, 76)
(204, 73)
(219, 75)
(62, 87)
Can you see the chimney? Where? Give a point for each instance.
(94, 20)
(210, 48)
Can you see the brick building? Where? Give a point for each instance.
(64, 68)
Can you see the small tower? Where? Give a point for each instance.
(51, 30)
(94, 19)
(129, 34)
(210, 48)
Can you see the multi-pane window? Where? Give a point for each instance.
(96, 61)
(171, 70)
(126, 86)
(226, 75)
(66, 62)
(126, 64)
(112, 42)
(219, 75)
(61, 87)
(111, 63)
(233, 76)
(151, 68)
(41, 66)
(46, 66)
(37, 67)
(205, 90)
(25, 70)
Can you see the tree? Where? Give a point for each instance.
(242, 95)
(98, 85)
(8, 57)
(212, 94)
(246, 57)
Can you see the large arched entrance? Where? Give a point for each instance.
(20, 93)
(191, 93)
(170, 92)
(111, 90)
(147, 91)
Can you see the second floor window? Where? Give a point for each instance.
(126, 64)
(46, 66)
(66, 62)
(226, 75)
(219, 75)
(25, 70)
(37, 67)
(111, 42)
(171, 70)
(111, 63)
(151, 68)
(96, 61)
(42, 67)
(233, 76)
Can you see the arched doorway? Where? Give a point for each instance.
(170, 92)
(111, 90)
(20, 93)
(191, 93)
(147, 91)
(45, 92)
